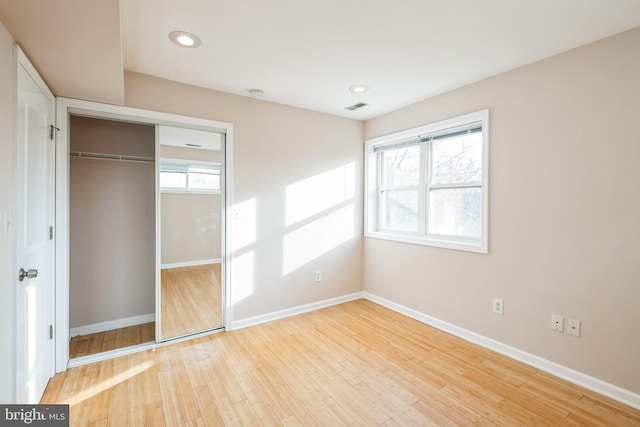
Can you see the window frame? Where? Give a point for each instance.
(187, 190)
(374, 187)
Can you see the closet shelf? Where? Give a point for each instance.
(119, 157)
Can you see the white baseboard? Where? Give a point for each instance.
(191, 263)
(94, 328)
(594, 384)
(281, 314)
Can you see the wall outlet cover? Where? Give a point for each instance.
(557, 322)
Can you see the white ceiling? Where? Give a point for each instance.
(308, 53)
(305, 53)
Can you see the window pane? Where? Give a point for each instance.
(173, 180)
(456, 212)
(203, 181)
(401, 166)
(400, 210)
(458, 159)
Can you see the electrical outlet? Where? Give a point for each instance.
(498, 306)
(557, 322)
(318, 276)
(573, 327)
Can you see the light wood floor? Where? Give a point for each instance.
(83, 345)
(191, 300)
(352, 364)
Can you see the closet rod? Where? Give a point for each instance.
(119, 157)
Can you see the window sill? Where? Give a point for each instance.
(478, 247)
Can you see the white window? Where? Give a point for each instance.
(188, 176)
(429, 185)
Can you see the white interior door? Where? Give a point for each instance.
(34, 199)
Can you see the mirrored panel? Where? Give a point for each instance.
(191, 185)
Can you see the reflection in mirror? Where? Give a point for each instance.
(191, 209)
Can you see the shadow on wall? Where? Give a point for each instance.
(319, 217)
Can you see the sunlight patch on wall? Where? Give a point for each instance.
(321, 192)
(244, 224)
(243, 276)
(244, 231)
(320, 216)
(317, 238)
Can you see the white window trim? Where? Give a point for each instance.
(174, 190)
(371, 189)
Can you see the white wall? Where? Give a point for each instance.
(564, 235)
(297, 192)
(7, 279)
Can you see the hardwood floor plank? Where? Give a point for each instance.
(352, 364)
(84, 345)
(154, 414)
(247, 415)
(207, 406)
(259, 404)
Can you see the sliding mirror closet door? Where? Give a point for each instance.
(191, 175)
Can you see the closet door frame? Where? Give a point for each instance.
(67, 107)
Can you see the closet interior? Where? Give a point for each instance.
(112, 235)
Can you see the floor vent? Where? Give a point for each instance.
(356, 106)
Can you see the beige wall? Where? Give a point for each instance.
(190, 227)
(278, 150)
(7, 279)
(112, 223)
(564, 206)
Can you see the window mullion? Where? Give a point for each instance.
(425, 173)
(472, 184)
(400, 188)
(379, 179)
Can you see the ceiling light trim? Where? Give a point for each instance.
(359, 88)
(185, 39)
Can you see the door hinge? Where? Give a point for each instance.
(53, 133)
(50, 332)
(51, 233)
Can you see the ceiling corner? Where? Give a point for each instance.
(75, 45)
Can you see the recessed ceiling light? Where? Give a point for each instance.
(185, 39)
(359, 88)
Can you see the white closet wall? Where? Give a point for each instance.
(112, 223)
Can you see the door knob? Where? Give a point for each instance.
(29, 274)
